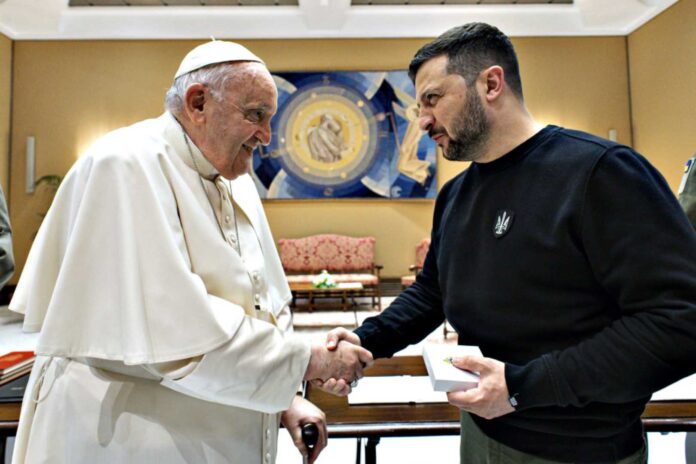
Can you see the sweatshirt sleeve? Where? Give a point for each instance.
(642, 252)
(417, 311)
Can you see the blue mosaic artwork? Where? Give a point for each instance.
(346, 135)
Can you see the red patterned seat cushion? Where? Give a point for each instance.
(337, 253)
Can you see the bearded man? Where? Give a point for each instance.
(565, 257)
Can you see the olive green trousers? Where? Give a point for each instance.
(477, 448)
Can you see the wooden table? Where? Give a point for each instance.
(10, 405)
(9, 418)
(374, 421)
(339, 297)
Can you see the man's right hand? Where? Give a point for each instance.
(345, 361)
(334, 385)
(338, 334)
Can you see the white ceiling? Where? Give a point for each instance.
(54, 20)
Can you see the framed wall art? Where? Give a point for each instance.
(346, 135)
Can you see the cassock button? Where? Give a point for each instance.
(257, 298)
(268, 434)
(233, 239)
(228, 219)
(256, 276)
(268, 457)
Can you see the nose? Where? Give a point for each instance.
(425, 120)
(264, 133)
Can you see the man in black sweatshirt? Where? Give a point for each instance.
(564, 256)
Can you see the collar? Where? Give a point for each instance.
(518, 153)
(188, 152)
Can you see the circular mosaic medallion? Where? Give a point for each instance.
(328, 134)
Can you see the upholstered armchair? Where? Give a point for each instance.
(421, 252)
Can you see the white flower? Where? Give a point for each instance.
(323, 280)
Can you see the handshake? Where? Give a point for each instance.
(336, 366)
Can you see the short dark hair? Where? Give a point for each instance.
(470, 49)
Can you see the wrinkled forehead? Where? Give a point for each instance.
(432, 71)
(253, 82)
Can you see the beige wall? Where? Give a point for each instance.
(662, 60)
(5, 93)
(67, 93)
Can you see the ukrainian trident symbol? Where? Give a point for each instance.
(503, 222)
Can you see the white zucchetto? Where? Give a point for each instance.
(216, 51)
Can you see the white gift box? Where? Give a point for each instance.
(443, 375)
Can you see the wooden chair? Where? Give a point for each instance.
(421, 252)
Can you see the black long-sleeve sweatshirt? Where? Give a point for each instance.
(570, 260)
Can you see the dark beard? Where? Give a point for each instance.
(471, 131)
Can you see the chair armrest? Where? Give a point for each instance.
(415, 269)
(377, 268)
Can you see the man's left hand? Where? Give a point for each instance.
(303, 412)
(491, 398)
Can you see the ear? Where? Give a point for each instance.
(494, 81)
(194, 102)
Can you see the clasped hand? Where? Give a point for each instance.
(337, 340)
(343, 362)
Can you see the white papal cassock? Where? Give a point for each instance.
(163, 311)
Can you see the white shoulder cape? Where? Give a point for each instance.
(129, 263)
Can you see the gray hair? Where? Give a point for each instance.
(214, 76)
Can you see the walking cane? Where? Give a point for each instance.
(310, 435)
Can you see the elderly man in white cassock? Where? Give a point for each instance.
(159, 294)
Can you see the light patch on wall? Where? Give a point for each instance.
(87, 136)
(544, 119)
(562, 120)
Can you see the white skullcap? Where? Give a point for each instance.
(217, 51)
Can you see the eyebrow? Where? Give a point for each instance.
(254, 106)
(261, 107)
(421, 96)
